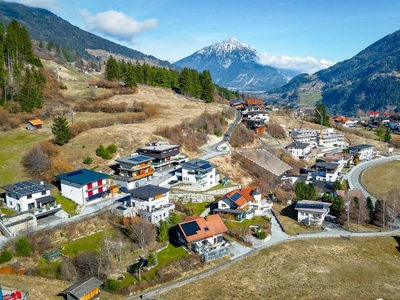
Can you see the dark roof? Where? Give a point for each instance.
(135, 159)
(298, 145)
(326, 165)
(256, 191)
(149, 191)
(46, 199)
(197, 164)
(27, 187)
(82, 176)
(82, 287)
(361, 147)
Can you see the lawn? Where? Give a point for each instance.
(359, 268)
(7, 211)
(67, 205)
(90, 242)
(379, 179)
(288, 217)
(13, 146)
(197, 208)
(241, 227)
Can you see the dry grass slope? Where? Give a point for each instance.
(360, 268)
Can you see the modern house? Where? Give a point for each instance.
(85, 289)
(305, 135)
(243, 203)
(204, 236)
(83, 186)
(152, 202)
(31, 195)
(341, 158)
(247, 109)
(164, 155)
(299, 150)
(364, 151)
(325, 171)
(34, 124)
(200, 173)
(256, 115)
(256, 125)
(326, 137)
(134, 170)
(312, 212)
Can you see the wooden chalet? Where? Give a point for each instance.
(85, 289)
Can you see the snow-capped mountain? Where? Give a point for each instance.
(235, 65)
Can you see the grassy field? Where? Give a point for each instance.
(379, 179)
(67, 205)
(197, 208)
(359, 268)
(13, 146)
(309, 99)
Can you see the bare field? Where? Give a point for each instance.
(379, 180)
(360, 268)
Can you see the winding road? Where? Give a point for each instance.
(355, 174)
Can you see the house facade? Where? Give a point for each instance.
(312, 212)
(325, 171)
(364, 151)
(198, 172)
(326, 137)
(152, 203)
(299, 150)
(256, 115)
(243, 203)
(204, 236)
(164, 155)
(30, 195)
(83, 186)
(134, 170)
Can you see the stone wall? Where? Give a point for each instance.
(191, 198)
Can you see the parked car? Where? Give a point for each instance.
(173, 182)
(124, 190)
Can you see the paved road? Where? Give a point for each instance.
(355, 174)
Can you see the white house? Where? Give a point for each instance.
(243, 203)
(152, 202)
(256, 115)
(326, 171)
(30, 195)
(200, 173)
(312, 212)
(299, 150)
(326, 137)
(83, 186)
(364, 151)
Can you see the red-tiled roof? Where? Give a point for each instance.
(254, 102)
(386, 114)
(373, 113)
(245, 193)
(208, 227)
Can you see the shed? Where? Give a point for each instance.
(84, 289)
(52, 255)
(34, 124)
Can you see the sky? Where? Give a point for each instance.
(304, 35)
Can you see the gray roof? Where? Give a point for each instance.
(46, 199)
(135, 159)
(82, 287)
(298, 145)
(82, 176)
(326, 165)
(28, 187)
(148, 191)
(361, 147)
(197, 164)
(159, 147)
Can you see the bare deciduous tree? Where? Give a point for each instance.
(36, 161)
(393, 201)
(142, 232)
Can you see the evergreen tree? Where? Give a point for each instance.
(337, 206)
(310, 192)
(387, 136)
(22, 247)
(112, 69)
(380, 132)
(300, 190)
(320, 111)
(370, 206)
(163, 231)
(207, 86)
(31, 92)
(61, 130)
(337, 185)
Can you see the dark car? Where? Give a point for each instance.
(173, 182)
(124, 190)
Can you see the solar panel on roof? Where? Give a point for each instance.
(206, 166)
(74, 173)
(309, 206)
(190, 228)
(235, 196)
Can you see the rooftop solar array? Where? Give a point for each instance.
(309, 206)
(190, 228)
(236, 196)
(26, 187)
(139, 158)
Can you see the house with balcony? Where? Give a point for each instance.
(247, 109)
(163, 154)
(326, 171)
(243, 203)
(299, 150)
(256, 115)
(204, 236)
(312, 212)
(326, 137)
(305, 135)
(199, 173)
(152, 203)
(134, 171)
(31, 195)
(83, 186)
(364, 151)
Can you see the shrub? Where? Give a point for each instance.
(5, 256)
(103, 152)
(111, 285)
(261, 234)
(88, 160)
(112, 148)
(22, 247)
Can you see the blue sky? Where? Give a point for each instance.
(303, 34)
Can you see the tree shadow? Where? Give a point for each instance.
(397, 239)
(290, 212)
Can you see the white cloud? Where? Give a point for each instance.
(47, 4)
(116, 24)
(308, 64)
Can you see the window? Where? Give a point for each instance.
(29, 196)
(43, 193)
